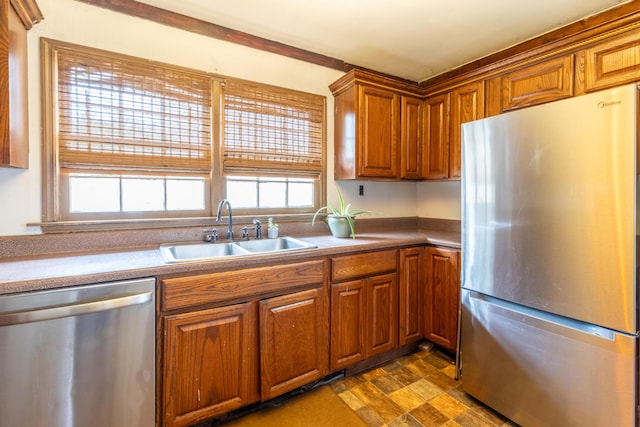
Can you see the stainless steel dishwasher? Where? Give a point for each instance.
(79, 356)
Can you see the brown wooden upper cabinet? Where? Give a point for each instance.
(546, 81)
(613, 62)
(467, 104)
(436, 137)
(444, 115)
(16, 16)
(377, 127)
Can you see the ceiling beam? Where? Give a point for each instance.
(198, 26)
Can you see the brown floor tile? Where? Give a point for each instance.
(387, 383)
(374, 373)
(367, 392)
(369, 416)
(405, 421)
(437, 359)
(425, 389)
(351, 382)
(406, 399)
(443, 381)
(351, 400)
(417, 390)
(404, 375)
(488, 414)
(429, 416)
(387, 409)
(393, 365)
(448, 405)
(463, 397)
(472, 419)
(422, 368)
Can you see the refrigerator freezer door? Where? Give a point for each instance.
(542, 373)
(548, 217)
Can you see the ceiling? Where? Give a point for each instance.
(412, 39)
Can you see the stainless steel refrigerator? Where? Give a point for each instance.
(549, 320)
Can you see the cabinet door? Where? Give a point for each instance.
(294, 346)
(442, 297)
(14, 131)
(378, 121)
(436, 137)
(411, 294)
(411, 138)
(467, 104)
(382, 309)
(547, 81)
(210, 363)
(348, 317)
(613, 63)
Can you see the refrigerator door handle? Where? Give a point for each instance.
(517, 311)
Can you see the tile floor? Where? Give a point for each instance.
(415, 390)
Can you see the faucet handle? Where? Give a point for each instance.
(211, 235)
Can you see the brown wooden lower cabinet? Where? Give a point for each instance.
(294, 345)
(287, 327)
(442, 296)
(217, 359)
(348, 319)
(411, 293)
(364, 311)
(210, 363)
(364, 319)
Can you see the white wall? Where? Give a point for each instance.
(439, 200)
(71, 21)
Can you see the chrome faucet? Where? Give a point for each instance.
(219, 216)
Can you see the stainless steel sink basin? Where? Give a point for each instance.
(192, 252)
(189, 252)
(274, 245)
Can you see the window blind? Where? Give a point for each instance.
(272, 129)
(131, 114)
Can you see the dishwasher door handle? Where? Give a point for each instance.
(58, 312)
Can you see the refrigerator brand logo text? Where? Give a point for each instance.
(603, 104)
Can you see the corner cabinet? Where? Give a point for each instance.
(444, 115)
(377, 128)
(442, 296)
(17, 17)
(411, 291)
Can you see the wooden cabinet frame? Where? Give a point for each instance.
(16, 17)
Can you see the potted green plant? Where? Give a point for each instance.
(341, 219)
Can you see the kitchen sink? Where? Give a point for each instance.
(185, 252)
(274, 245)
(192, 252)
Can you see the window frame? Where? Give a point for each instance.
(55, 179)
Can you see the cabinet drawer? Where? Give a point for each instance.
(351, 266)
(202, 289)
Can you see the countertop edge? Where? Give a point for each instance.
(27, 275)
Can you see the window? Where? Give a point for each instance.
(273, 148)
(130, 138)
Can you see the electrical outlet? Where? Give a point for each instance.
(361, 190)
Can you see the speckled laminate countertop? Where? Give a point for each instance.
(25, 275)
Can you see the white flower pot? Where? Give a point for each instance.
(339, 226)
